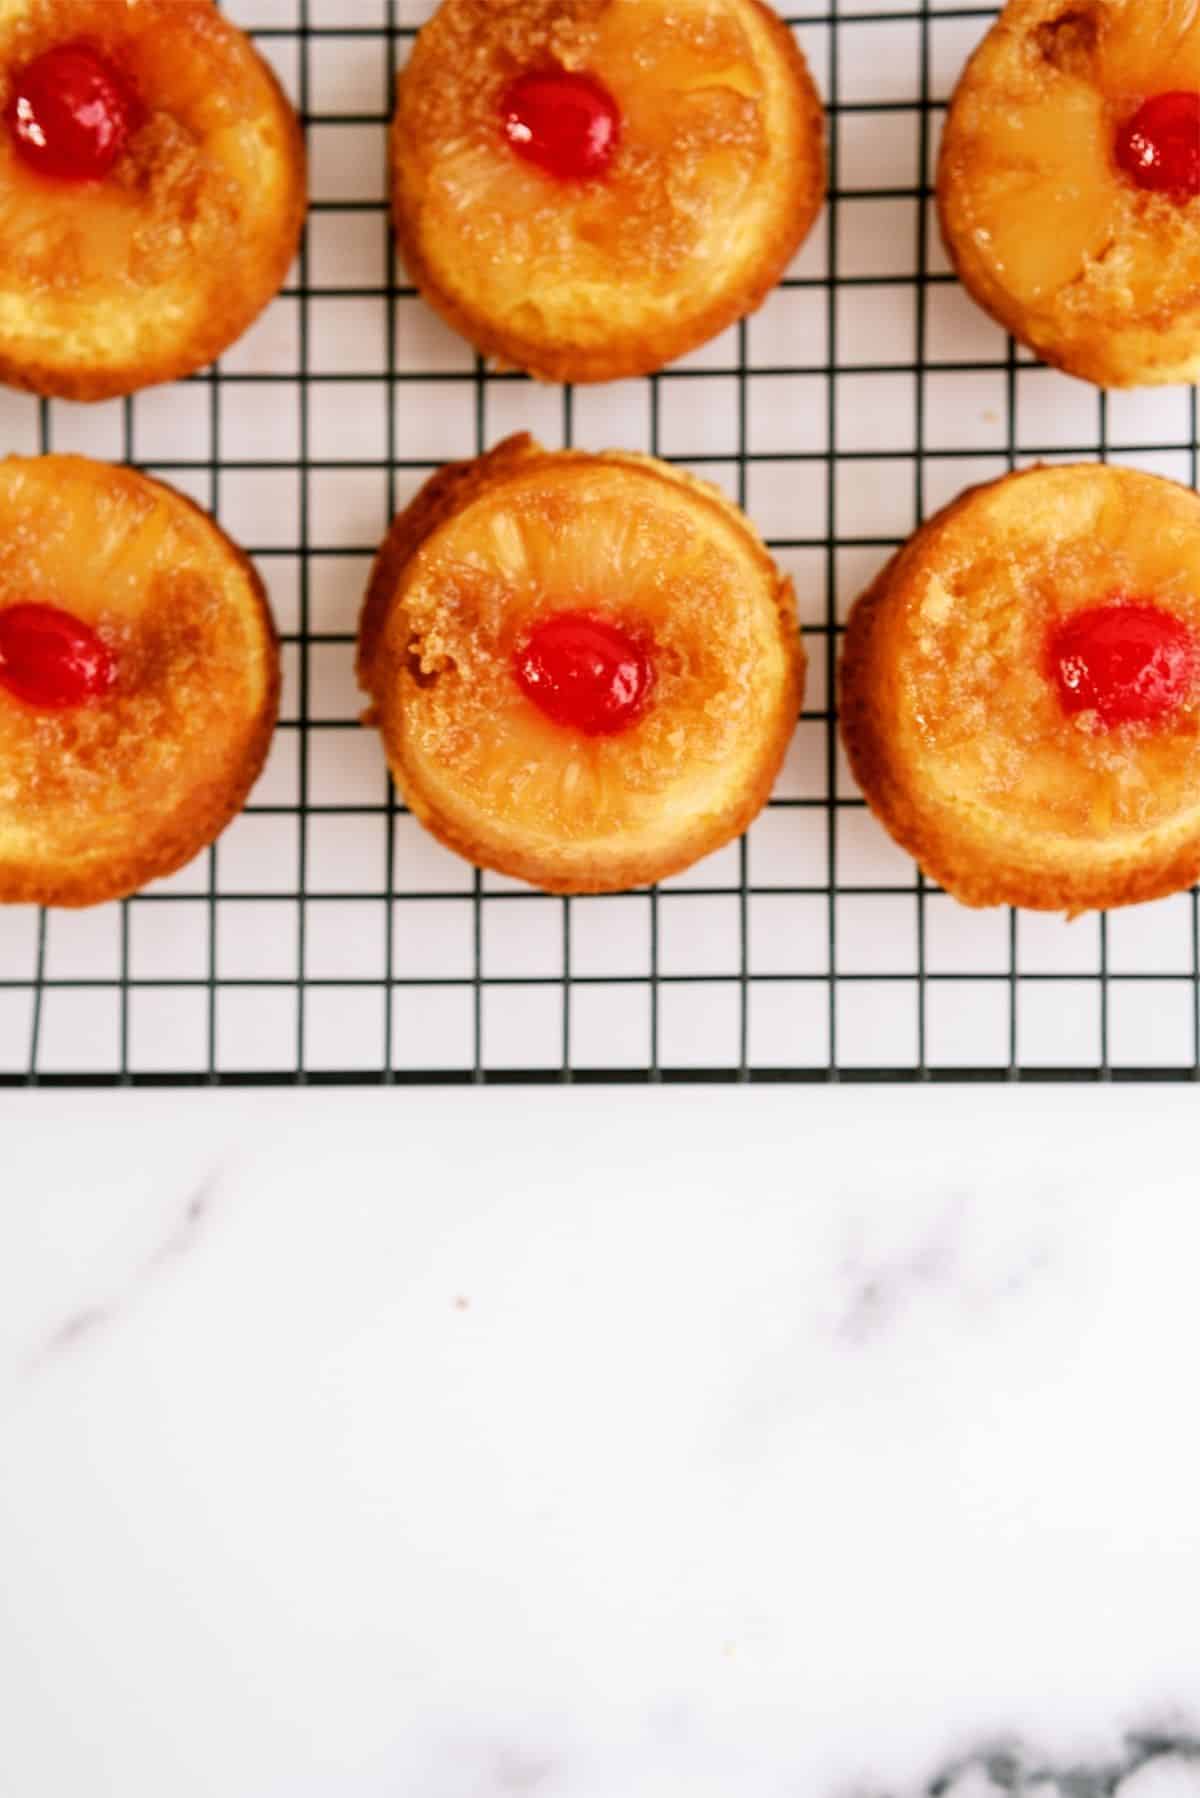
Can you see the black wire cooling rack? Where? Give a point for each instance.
(325, 938)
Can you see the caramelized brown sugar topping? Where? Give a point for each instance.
(1031, 182)
(982, 594)
(192, 177)
(670, 567)
(692, 152)
(182, 621)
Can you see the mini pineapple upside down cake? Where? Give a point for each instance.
(152, 191)
(139, 680)
(586, 668)
(1020, 691)
(1069, 184)
(587, 189)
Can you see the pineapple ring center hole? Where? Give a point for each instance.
(586, 672)
(1124, 662)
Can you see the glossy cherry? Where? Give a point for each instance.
(1159, 147)
(1129, 662)
(585, 673)
(568, 125)
(50, 659)
(71, 113)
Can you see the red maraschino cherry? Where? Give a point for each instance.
(71, 113)
(50, 659)
(1159, 147)
(567, 125)
(586, 673)
(1129, 662)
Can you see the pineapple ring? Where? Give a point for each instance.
(97, 800)
(956, 731)
(718, 176)
(490, 549)
(1050, 237)
(147, 275)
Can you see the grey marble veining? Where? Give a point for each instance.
(1151, 1766)
(459, 1445)
(76, 1329)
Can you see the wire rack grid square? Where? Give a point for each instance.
(326, 937)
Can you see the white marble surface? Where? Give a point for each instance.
(598, 1444)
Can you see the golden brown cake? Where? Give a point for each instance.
(139, 680)
(1020, 691)
(586, 668)
(586, 189)
(152, 191)
(1069, 184)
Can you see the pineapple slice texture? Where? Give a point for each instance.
(975, 695)
(1065, 246)
(194, 663)
(1044, 203)
(1146, 47)
(691, 96)
(153, 271)
(476, 591)
(176, 187)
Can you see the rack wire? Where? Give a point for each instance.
(325, 938)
